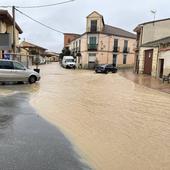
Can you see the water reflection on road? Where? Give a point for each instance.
(115, 123)
(27, 142)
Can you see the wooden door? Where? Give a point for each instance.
(148, 62)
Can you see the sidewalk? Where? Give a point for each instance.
(146, 80)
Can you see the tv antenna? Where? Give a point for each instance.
(154, 14)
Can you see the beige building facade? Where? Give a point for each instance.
(153, 48)
(29, 51)
(103, 44)
(6, 27)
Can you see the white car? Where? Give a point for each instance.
(14, 71)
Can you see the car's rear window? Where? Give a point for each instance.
(6, 65)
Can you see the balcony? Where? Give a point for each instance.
(116, 49)
(126, 50)
(92, 47)
(93, 29)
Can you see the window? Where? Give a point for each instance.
(125, 49)
(114, 59)
(115, 43)
(18, 66)
(79, 45)
(93, 25)
(92, 57)
(6, 65)
(109, 66)
(92, 43)
(92, 40)
(125, 43)
(124, 58)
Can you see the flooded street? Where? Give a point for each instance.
(28, 142)
(113, 123)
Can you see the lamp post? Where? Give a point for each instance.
(14, 26)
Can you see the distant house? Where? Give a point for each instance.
(103, 44)
(31, 50)
(153, 48)
(68, 37)
(6, 33)
(52, 56)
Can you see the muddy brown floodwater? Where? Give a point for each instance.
(114, 123)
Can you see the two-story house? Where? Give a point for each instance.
(103, 44)
(6, 32)
(29, 51)
(153, 48)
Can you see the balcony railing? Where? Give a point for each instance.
(93, 29)
(116, 49)
(126, 50)
(92, 47)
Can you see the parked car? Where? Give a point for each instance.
(105, 68)
(14, 71)
(68, 62)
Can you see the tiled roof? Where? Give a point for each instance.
(118, 31)
(25, 44)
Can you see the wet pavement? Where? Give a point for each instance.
(113, 122)
(146, 80)
(110, 121)
(27, 142)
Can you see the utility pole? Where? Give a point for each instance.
(14, 27)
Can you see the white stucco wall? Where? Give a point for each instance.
(166, 56)
(155, 31)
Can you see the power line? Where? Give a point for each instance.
(39, 22)
(48, 5)
(38, 6)
(5, 6)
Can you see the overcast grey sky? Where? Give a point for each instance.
(71, 17)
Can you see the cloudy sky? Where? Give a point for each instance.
(71, 17)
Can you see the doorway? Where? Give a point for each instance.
(148, 62)
(114, 60)
(161, 66)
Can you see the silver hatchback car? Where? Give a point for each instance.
(14, 71)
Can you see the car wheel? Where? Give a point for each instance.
(106, 71)
(32, 79)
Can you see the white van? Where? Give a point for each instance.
(68, 62)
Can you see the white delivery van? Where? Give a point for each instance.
(68, 62)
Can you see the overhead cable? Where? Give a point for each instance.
(37, 6)
(47, 5)
(40, 22)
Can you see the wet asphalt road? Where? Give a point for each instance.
(27, 142)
